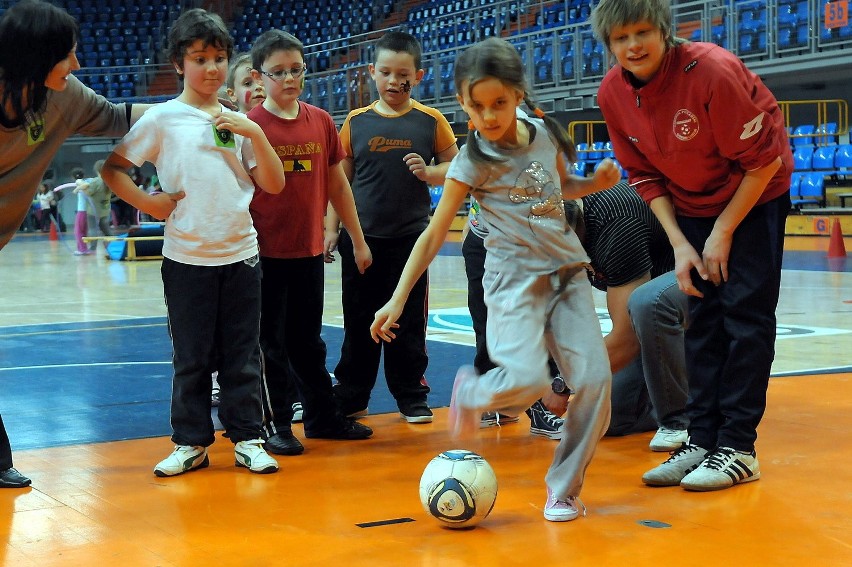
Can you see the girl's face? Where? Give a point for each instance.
(57, 79)
(491, 105)
(639, 48)
(287, 68)
(204, 68)
(247, 92)
(395, 75)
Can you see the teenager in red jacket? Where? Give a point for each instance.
(704, 143)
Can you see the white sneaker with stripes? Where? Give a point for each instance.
(723, 468)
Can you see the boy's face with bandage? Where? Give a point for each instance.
(395, 75)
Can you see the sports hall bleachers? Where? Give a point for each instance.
(120, 39)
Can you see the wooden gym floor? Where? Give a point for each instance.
(94, 499)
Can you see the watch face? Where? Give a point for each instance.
(559, 385)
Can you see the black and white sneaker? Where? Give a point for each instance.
(723, 468)
(545, 423)
(416, 412)
(298, 413)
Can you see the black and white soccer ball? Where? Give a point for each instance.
(458, 488)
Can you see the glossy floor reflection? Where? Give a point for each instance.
(94, 499)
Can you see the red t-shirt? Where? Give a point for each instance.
(290, 224)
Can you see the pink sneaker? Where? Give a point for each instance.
(562, 509)
(463, 422)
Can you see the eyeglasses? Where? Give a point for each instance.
(282, 74)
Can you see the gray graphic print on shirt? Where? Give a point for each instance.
(535, 185)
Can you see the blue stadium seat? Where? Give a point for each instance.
(803, 158)
(843, 158)
(812, 189)
(826, 133)
(823, 157)
(801, 137)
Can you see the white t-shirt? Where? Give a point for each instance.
(211, 226)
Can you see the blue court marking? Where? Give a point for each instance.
(71, 383)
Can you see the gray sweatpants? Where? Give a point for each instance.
(528, 316)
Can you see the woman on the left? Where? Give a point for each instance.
(41, 105)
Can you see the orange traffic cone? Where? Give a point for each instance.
(836, 247)
(53, 235)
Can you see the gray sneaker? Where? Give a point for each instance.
(682, 462)
(666, 439)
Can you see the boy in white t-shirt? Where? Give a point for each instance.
(211, 274)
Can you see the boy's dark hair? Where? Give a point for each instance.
(193, 25)
(497, 58)
(271, 41)
(400, 42)
(34, 37)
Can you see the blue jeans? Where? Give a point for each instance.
(652, 390)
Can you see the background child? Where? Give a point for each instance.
(242, 87)
(211, 275)
(290, 233)
(98, 197)
(538, 296)
(47, 206)
(389, 181)
(718, 181)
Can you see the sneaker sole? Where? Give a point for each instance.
(266, 470)
(356, 414)
(698, 488)
(203, 465)
(560, 518)
(417, 418)
(555, 435)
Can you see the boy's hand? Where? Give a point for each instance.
(385, 321)
(329, 245)
(686, 258)
(717, 249)
(237, 123)
(363, 257)
(416, 165)
(161, 205)
(607, 174)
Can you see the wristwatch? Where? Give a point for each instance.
(560, 387)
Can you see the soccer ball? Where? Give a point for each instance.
(458, 488)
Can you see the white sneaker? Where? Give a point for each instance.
(297, 412)
(562, 509)
(666, 439)
(251, 455)
(183, 459)
(723, 468)
(672, 470)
